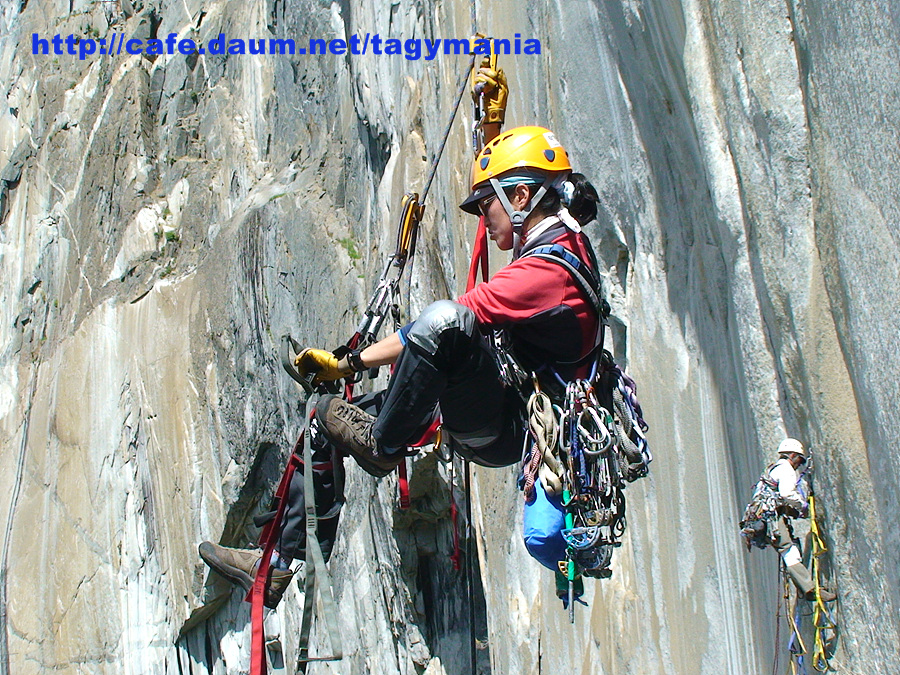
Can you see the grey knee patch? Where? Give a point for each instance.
(437, 318)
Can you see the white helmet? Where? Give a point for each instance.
(791, 445)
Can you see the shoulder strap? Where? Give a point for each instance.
(582, 274)
(766, 476)
(586, 279)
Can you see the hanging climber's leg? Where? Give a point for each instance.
(446, 361)
(240, 565)
(793, 562)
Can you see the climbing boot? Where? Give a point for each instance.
(350, 429)
(239, 567)
(826, 595)
(804, 582)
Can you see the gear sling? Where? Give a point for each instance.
(588, 440)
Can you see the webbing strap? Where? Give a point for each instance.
(315, 562)
(455, 557)
(315, 568)
(403, 484)
(479, 257)
(267, 540)
(822, 619)
(585, 280)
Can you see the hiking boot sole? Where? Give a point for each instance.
(233, 574)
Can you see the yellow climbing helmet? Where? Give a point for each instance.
(527, 150)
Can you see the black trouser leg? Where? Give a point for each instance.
(447, 361)
(328, 479)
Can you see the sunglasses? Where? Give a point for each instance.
(485, 203)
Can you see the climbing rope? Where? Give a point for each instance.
(545, 430)
(782, 596)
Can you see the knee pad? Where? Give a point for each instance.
(437, 321)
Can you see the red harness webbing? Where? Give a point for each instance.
(479, 257)
(479, 262)
(267, 540)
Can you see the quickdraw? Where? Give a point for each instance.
(385, 297)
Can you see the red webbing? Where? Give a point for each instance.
(403, 484)
(267, 540)
(456, 556)
(479, 256)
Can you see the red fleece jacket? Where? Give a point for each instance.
(545, 312)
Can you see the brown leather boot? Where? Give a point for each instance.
(350, 429)
(804, 582)
(239, 566)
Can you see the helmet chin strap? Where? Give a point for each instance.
(517, 218)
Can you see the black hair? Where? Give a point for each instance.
(583, 206)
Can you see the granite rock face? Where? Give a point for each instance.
(165, 219)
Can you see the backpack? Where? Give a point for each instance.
(760, 514)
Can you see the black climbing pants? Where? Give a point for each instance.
(447, 367)
(447, 364)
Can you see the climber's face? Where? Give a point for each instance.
(497, 222)
(496, 219)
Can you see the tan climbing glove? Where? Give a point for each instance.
(323, 363)
(493, 89)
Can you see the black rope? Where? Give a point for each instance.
(782, 596)
(469, 565)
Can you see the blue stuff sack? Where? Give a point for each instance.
(544, 520)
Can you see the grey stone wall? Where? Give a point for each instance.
(164, 221)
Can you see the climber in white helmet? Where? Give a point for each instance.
(792, 455)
